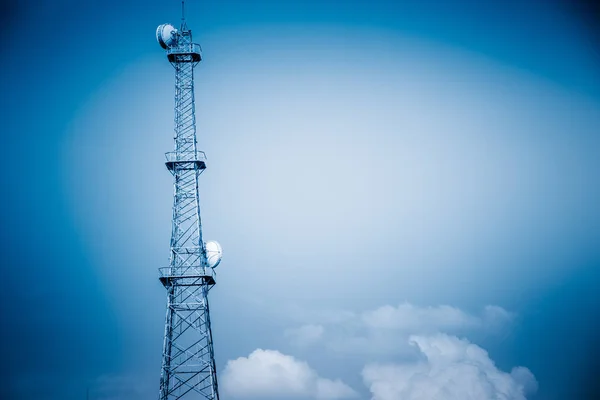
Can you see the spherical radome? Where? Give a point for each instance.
(214, 252)
(166, 34)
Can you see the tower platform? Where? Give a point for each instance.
(185, 160)
(190, 52)
(186, 276)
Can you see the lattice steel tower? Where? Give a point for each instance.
(188, 364)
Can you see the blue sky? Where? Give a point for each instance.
(379, 174)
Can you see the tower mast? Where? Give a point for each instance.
(188, 363)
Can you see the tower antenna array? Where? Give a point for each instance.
(188, 363)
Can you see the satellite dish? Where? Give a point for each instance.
(214, 252)
(166, 34)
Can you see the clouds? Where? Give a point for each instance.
(410, 318)
(449, 369)
(385, 330)
(269, 373)
(406, 352)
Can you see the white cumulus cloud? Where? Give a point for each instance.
(269, 374)
(449, 369)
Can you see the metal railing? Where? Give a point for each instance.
(182, 272)
(191, 48)
(189, 156)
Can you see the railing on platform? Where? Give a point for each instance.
(191, 48)
(185, 272)
(185, 156)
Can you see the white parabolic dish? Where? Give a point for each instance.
(214, 253)
(166, 34)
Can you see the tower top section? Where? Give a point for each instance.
(178, 42)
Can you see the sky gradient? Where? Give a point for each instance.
(380, 173)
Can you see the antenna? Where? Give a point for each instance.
(183, 24)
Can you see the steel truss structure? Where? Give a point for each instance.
(188, 364)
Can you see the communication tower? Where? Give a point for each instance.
(188, 363)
